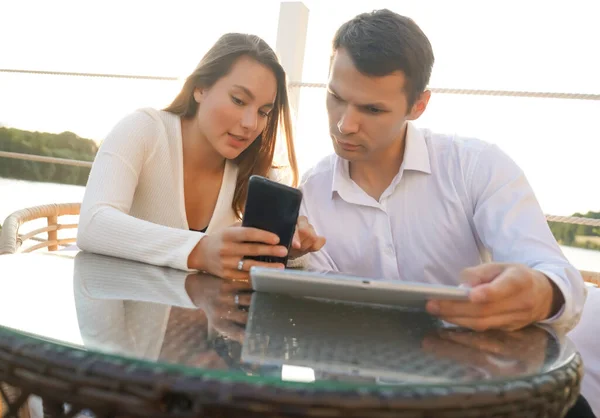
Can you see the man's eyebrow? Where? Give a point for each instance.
(374, 104)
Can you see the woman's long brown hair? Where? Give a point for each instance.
(258, 157)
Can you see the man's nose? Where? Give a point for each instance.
(349, 122)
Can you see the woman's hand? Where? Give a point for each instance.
(225, 302)
(222, 254)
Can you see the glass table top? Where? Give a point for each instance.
(203, 324)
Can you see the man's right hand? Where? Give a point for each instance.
(220, 254)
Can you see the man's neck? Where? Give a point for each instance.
(377, 173)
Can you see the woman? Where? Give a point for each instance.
(167, 187)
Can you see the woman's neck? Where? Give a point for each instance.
(198, 153)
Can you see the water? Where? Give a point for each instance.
(583, 259)
(19, 194)
(556, 142)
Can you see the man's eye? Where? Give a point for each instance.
(335, 97)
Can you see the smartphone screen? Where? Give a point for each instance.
(273, 207)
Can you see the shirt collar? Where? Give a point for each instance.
(416, 154)
(341, 175)
(416, 158)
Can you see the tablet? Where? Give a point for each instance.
(382, 345)
(350, 288)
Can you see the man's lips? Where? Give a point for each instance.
(347, 145)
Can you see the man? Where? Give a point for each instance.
(585, 338)
(398, 202)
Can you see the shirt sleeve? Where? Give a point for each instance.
(105, 226)
(511, 225)
(318, 260)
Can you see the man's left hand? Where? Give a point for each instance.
(503, 296)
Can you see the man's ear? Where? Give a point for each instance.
(420, 105)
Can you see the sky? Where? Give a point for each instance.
(504, 45)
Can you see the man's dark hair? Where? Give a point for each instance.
(382, 42)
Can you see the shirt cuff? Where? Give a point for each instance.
(298, 262)
(561, 318)
(181, 260)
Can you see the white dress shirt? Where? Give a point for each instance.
(455, 203)
(585, 337)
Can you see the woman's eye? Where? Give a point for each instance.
(237, 101)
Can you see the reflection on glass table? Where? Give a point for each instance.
(155, 340)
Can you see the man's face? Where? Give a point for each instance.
(367, 114)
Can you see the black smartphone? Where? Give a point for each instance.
(273, 207)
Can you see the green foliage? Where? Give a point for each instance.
(566, 234)
(64, 145)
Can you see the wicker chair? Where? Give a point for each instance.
(591, 277)
(11, 241)
(12, 394)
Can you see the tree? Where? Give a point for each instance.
(64, 145)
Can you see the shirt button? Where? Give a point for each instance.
(389, 250)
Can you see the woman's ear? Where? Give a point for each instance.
(198, 94)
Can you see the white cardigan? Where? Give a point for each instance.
(123, 306)
(134, 205)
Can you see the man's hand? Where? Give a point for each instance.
(498, 352)
(504, 296)
(305, 239)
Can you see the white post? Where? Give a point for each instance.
(291, 41)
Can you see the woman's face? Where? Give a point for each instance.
(233, 112)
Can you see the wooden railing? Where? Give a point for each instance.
(44, 159)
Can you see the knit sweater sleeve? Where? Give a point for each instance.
(105, 225)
